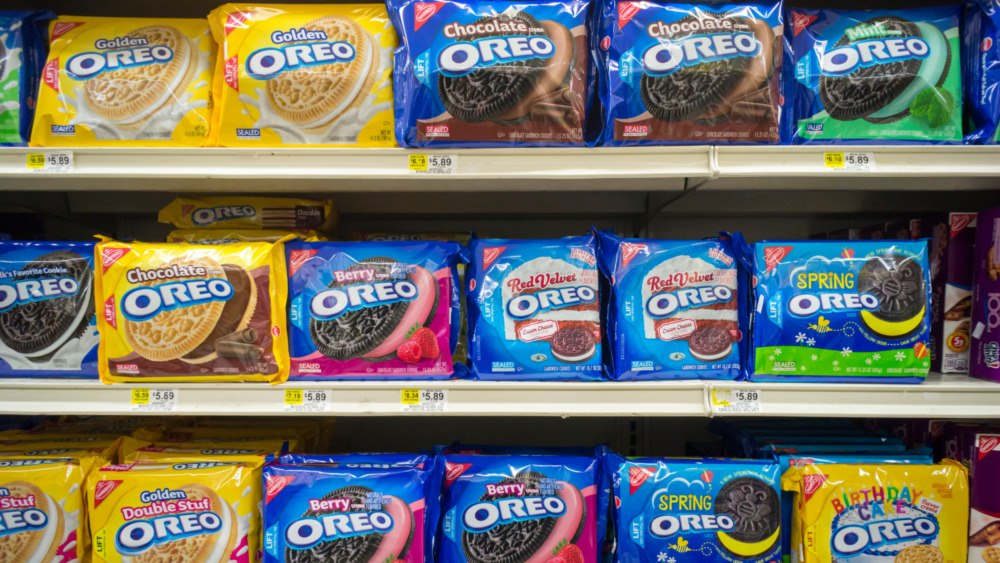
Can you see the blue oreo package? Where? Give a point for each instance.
(357, 460)
(692, 73)
(855, 310)
(534, 309)
(676, 309)
(981, 68)
(404, 296)
(487, 449)
(23, 50)
(47, 325)
(498, 73)
(885, 76)
(696, 510)
(522, 509)
(362, 514)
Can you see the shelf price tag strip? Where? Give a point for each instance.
(428, 164)
(736, 401)
(50, 162)
(424, 400)
(154, 400)
(306, 400)
(849, 161)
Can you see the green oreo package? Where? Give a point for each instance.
(878, 75)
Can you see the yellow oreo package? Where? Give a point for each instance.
(126, 82)
(290, 438)
(151, 512)
(303, 75)
(97, 444)
(42, 508)
(244, 451)
(249, 213)
(227, 236)
(187, 312)
(879, 513)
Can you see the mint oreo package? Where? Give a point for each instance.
(23, 48)
(889, 76)
(47, 326)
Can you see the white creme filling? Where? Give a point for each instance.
(352, 94)
(927, 76)
(590, 352)
(219, 554)
(152, 108)
(69, 331)
(52, 511)
(713, 358)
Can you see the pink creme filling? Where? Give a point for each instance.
(566, 525)
(416, 313)
(395, 540)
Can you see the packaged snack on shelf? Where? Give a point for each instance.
(23, 44)
(907, 229)
(884, 76)
(404, 294)
(522, 509)
(297, 75)
(126, 82)
(981, 71)
(499, 73)
(285, 432)
(226, 236)
(372, 514)
(694, 511)
(486, 449)
(685, 73)
(676, 309)
(95, 444)
(181, 312)
(952, 237)
(154, 511)
(534, 311)
(250, 452)
(850, 311)
(358, 460)
(237, 213)
(984, 518)
(47, 324)
(985, 352)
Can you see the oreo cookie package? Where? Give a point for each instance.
(501, 73)
(373, 310)
(981, 70)
(522, 509)
(534, 311)
(47, 325)
(318, 513)
(22, 55)
(840, 311)
(676, 309)
(696, 511)
(688, 73)
(882, 75)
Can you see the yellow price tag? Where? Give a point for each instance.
(834, 159)
(411, 397)
(140, 396)
(720, 397)
(418, 162)
(293, 396)
(36, 161)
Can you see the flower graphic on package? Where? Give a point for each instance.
(846, 352)
(800, 337)
(877, 356)
(868, 361)
(811, 342)
(900, 356)
(814, 357)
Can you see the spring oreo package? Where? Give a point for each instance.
(691, 73)
(22, 56)
(676, 308)
(880, 75)
(840, 311)
(403, 295)
(47, 325)
(981, 70)
(502, 73)
(534, 311)
(522, 509)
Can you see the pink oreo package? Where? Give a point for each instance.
(984, 352)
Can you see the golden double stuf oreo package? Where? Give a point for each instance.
(126, 82)
(226, 214)
(303, 75)
(185, 312)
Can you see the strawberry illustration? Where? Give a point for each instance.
(567, 553)
(557, 560)
(428, 343)
(409, 352)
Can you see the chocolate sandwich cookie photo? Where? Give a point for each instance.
(879, 75)
(480, 74)
(184, 312)
(686, 73)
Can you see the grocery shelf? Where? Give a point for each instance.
(939, 396)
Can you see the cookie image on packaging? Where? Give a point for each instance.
(920, 554)
(203, 548)
(755, 509)
(710, 343)
(573, 345)
(46, 521)
(897, 281)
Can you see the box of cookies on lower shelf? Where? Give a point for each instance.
(984, 356)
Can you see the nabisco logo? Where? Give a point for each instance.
(637, 476)
(606, 43)
(453, 471)
(275, 483)
(103, 489)
(111, 255)
(298, 258)
(491, 254)
(423, 12)
(720, 255)
(237, 20)
(987, 444)
(986, 44)
(63, 27)
(635, 131)
(231, 70)
(960, 221)
(812, 483)
(630, 250)
(627, 11)
(774, 254)
(801, 21)
(51, 73)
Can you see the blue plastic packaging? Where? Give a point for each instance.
(981, 67)
(23, 50)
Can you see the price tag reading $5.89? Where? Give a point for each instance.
(850, 161)
(153, 400)
(306, 400)
(433, 164)
(424, 400)
(736, 401)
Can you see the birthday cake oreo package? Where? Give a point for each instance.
(880, 75)
(676, 309)
(853, 311)
(534, 311)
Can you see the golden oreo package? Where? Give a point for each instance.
(303, 75)
(190, 512)
(879, 513)
(226, 236)
(249, 213)
(187, 312)
(126, 82)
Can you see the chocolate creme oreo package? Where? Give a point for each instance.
(880, 75)
(981, 70)
(685, 73)
(534, 311)
(474, 73)
(676, 308)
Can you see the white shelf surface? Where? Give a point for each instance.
(939, 396)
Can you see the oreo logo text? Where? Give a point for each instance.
(459, 59)
(667, 525)
(663, 305)
(17, 521)
(808, 304)
(483, 516)
(144, 303)
(663, 59)
(331, 303)
(208, 215)
(528, 305)
(852, 540)
(140, 535)
(84, 66)
(29, 291)
(847, 59)
(265, 64)
(307, 532)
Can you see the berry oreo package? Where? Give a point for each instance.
(676, 309)
(534, 311)
(676, 73)
(522, 509)
(501, 73)
(373, 310)
(882, 75)
(22, 55)
(981, 68)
